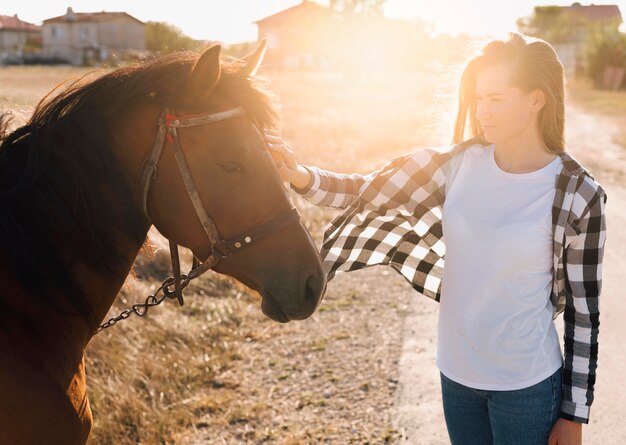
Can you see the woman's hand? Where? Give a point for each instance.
(285, 161)
(566, 432)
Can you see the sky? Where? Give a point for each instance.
(231, 21)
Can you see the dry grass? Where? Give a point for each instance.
(150, 378)
(154, 380)
(602, 102)
(355, 124)
(22, 87)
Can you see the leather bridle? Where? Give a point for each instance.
(220, 248)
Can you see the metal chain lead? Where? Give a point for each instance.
(141, 309)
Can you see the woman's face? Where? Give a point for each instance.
(504, 112)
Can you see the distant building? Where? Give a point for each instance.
(580, 18)
(312, 36)
(84, 38)
(17, 36)
(608, 14)
(293, 35)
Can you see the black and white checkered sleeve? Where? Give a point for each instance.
(583, 280)
(331, 189)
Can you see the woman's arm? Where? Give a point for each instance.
(320, 187)
(583, 280)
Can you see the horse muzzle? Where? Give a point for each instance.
(283, 305)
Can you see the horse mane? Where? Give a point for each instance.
(63, 199)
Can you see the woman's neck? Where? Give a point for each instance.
(523, 153)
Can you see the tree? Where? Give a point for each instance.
(553, 24)
(605, 49)
(165, 38)
(365, 7)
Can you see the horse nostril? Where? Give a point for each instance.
(311, 291)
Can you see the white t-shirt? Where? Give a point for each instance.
(495, 318)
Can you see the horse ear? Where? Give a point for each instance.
(253, 61)
(205, 74)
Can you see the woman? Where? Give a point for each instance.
(524, 237)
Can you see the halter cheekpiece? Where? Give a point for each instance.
(167, 135)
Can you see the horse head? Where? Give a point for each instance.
(218, 132)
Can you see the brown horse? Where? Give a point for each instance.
(76, 204)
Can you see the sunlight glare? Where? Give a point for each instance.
(455, 17)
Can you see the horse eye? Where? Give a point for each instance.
(230, 167)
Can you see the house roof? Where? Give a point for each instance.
(102, 16)
(596, 13)
(306, 7)
(13, 23)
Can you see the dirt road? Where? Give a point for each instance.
(418, 412)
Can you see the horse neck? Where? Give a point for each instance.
(63, 336)
(132, 139)
(51, 339)
(101, 290)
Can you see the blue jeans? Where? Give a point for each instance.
(479, 417)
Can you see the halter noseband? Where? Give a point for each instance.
(220, 248)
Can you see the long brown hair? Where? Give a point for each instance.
(534, 66)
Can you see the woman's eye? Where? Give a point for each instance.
(230, 167)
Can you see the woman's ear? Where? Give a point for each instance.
(537, 100)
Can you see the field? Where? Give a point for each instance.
(602, 102)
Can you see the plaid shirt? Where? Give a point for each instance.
(393, 216)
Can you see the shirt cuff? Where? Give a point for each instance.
(307, 188)
(574, 412)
